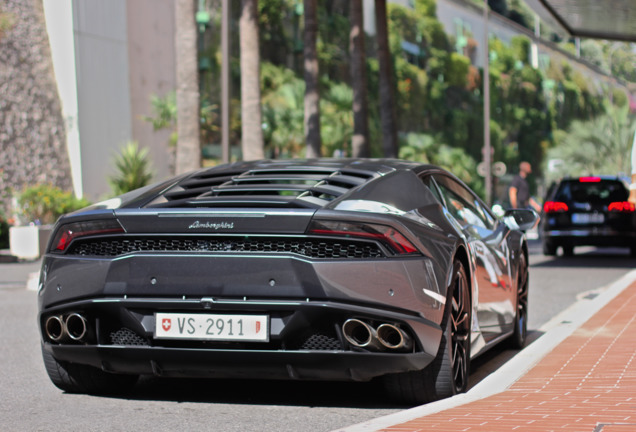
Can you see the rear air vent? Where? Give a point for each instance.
(306, 246)
(268, 186)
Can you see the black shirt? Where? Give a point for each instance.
(523, 191)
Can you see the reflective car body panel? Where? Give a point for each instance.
(309, 244)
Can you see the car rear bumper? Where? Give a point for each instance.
(306, 340)
(590, 237)
(186, 362)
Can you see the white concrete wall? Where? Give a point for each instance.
(101, 50)
(59, 24)
(152, 61)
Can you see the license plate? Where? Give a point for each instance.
(253, 328)
(587, 218)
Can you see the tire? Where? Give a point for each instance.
(568, 251)
(448, 374)
(519, 336)
(549, 249)
(77, 378)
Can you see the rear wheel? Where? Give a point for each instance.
(518, 338)
(77, 378)
(447, 375)
(549, 248)
(568, 251)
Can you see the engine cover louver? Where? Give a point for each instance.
(293, 186)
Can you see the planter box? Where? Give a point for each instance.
(29, 242)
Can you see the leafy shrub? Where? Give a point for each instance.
(44, 203)
(133, 169)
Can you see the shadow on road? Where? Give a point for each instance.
(366, 395)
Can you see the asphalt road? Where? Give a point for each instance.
(29, 402)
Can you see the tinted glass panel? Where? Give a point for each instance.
(463, 204)
(603, 192)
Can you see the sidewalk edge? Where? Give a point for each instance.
(558, 329)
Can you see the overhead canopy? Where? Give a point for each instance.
(597, 19)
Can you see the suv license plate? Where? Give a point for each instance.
(587, 218)
(252, 328)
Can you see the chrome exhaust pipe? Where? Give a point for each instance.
(54, 328)
(76, 326)
(393, 337)
(360, 334)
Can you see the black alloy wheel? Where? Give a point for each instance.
(448, 374)
(460, 330)
(518, 338)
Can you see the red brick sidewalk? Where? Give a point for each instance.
(587, 383)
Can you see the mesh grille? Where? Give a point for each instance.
(312, 248)
(321, 342)
(125, 336)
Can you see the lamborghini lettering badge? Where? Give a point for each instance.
(211, 225)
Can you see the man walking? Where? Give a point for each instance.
(519, 191)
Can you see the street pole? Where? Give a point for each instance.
(486, 80)
(225, 80)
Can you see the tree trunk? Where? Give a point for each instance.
(312, 93)
(360, 140)
(387, 95)
(251, 116)
(188, 152)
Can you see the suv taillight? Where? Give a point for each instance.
(555, 207)
(621, 206)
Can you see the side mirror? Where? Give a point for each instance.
(521, 219)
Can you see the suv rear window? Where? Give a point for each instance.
(603, 191)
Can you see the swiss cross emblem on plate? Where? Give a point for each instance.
(166, 323)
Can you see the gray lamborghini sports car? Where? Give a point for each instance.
(327, 269)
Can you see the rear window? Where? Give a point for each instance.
(603, 191)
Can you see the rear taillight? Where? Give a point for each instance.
(69, 232)
(387, 235)
(621, 206)
(554, 207)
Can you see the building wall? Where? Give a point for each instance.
(103, 90)
(151, 59)
(32, 134)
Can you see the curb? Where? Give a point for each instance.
(556, 330)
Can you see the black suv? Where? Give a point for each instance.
(588, 211)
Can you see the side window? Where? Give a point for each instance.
(432, 186)
(463, 205)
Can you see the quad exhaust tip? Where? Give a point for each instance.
(386, 337)
(74, 327)
(54, 328)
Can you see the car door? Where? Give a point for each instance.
(495, 296)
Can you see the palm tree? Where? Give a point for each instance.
(251, 116)
(188, 152)
(388, 121)
(599, 146)
(360, 141)
(312, 93)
